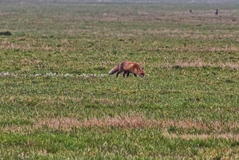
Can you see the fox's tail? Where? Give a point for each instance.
(114, 70)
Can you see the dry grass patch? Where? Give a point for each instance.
(226, 136)
(211, 130)
(63, 123)
(68, 123)
(199, 63)
(210, 49)
(136, 121)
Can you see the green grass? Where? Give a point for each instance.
(57, 100)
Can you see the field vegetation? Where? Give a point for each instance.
(58, 102)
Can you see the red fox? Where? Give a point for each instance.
(128, 67)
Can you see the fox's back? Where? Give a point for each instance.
(130, 66)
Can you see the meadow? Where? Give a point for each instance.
(58, 101)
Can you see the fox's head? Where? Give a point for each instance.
(141, 72)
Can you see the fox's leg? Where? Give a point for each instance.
(135, 75)
(118, 73)
(128, 74)
(125, 72)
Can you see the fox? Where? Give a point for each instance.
(128, 67)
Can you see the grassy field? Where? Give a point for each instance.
(58, 102)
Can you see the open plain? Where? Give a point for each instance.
(57, 100)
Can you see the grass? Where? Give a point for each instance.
(57, 100)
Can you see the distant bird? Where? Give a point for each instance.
(190, 11)
(216, 12)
